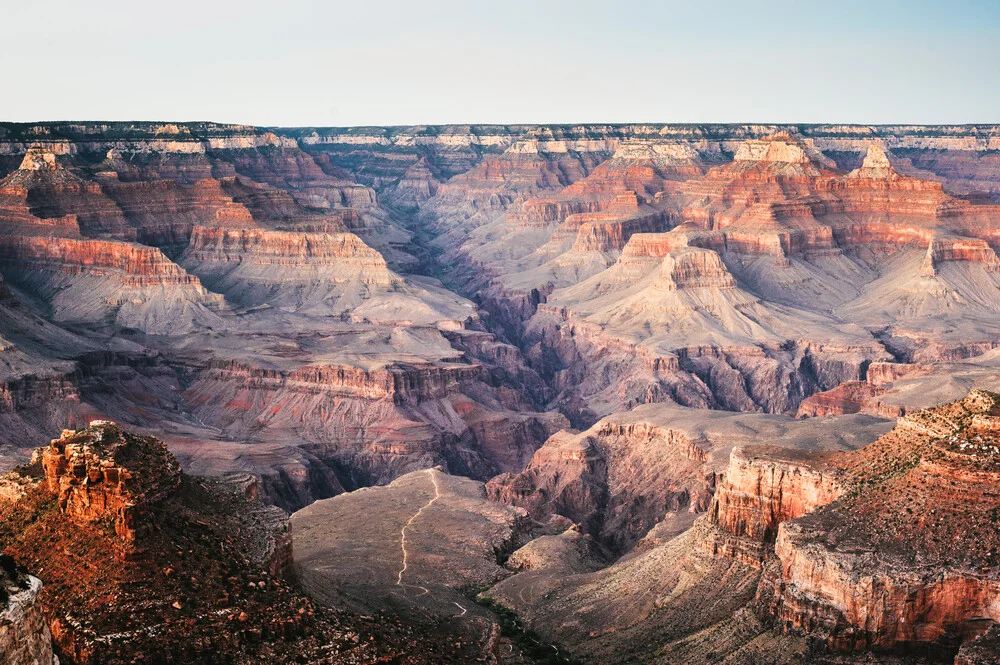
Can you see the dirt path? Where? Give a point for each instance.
(402, 532)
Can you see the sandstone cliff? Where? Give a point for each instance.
(103, 474)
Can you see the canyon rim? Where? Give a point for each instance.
(341, 378)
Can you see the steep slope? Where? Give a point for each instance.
(776, 250)
(24, 637)
(92, 281)
(684, 330)
(633, 470)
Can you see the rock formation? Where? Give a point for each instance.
(24, 635)
(630, 471)
(907, 556)
(103, 474)
(886, 547)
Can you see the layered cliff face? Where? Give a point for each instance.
(631, 471)
(879, 548)
(52, 192)
(486, 215)
(372, 425)
(799, 240)
(97, 281)
(764, 487)
(681, 328)
(165, 212)
(907, 556)
(887, 547)
(616, 482)
(261, 261)
(268, 300)
(316, 274)
(231, 248)
(517, 216)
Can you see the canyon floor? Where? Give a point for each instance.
(518, 394)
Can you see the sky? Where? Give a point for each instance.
(405, 62)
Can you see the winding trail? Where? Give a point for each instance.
(402, 532)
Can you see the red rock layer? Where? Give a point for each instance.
(53, 192)
(605, 232)
(101, 473)
(164, 212)
(848, 397)
(766, 486)
(198, 584)
(132, 265)
(634, 175)
(692, 268)
(401, 384)
(16, 215)
(285, 248)
(971, 250)
(882, 373)
(885, 547)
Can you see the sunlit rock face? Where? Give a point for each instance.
(102, 474)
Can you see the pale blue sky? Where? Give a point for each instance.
(380, 62)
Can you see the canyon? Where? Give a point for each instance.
(591, 393)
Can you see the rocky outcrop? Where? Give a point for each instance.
(826, 594)
(607, 232)
(983, 650)
(902, 557)
(419, 183)
(691, 268)
(24, 635)
(848, 397)
(52, 192)
(972, 250)
(882, 373)
(202, 583)
(764, 487)
(38, 158)
(882, 548)
(616, 480)
(101, 473)
(661, 462)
